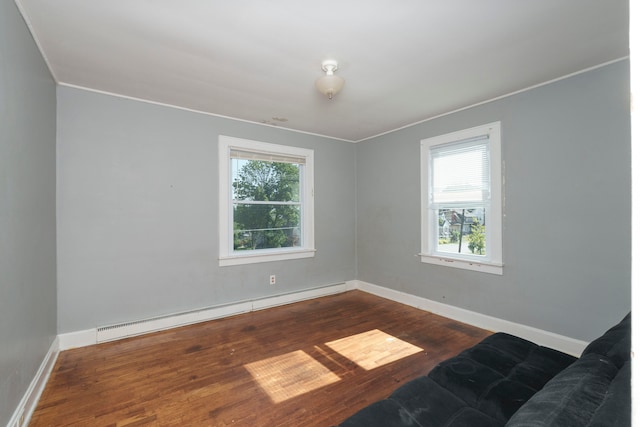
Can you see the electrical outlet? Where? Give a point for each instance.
(272, 279)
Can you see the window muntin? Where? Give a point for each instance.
(266, 201)
(462, 199)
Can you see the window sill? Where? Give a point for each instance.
(265, 256)
(464, 264)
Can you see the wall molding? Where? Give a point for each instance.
(29, 401)
(539, 336)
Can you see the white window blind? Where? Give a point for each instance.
(266, 157)
(461, 173)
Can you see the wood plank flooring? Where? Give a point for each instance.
(311, 363)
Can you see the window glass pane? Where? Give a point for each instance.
(462, 230)
(266, 226)
(265, 181)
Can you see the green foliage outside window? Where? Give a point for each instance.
(273, 222)
(476, 239)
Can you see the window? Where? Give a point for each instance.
(462, 199)
(266, 202)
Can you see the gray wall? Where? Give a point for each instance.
(27, 209)
(138, 212)
(566, 234)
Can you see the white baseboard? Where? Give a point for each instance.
(77, 339)
(541, 337)
(143, 326)
(284, 299)
(29, 401)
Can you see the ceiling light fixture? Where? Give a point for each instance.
(329, 84)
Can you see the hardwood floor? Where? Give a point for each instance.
(311, 363)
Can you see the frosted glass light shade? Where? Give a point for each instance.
(330, 84)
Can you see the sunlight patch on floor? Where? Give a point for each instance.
(290, 375)
(373, 349)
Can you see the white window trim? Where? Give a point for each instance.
(227, 256)
(492, 263)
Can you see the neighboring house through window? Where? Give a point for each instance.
(266, 202)
(461, 185)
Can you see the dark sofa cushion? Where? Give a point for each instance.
(430, 404)
(616, 407)
(467, 417)
(381, 413)
(498, 375)
(595, 391)
(425, 400)
(574, 397)
(420, 403)
(481, 387)
(519, 359)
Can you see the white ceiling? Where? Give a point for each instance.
(404, 61)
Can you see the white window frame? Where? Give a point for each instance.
(227, 255)
(491, 262)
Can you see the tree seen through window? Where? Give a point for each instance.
(266, 204)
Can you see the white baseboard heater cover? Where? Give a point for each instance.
(139, 327)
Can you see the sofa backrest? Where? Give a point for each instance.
(614, 344)
(595, 391)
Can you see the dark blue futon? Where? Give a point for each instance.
(508, 381)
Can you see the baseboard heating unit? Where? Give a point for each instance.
(160, 323)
